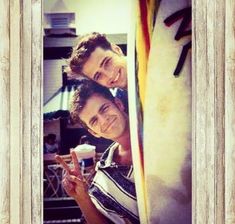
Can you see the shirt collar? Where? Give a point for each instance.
(106, 159)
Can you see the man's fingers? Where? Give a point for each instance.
(76, 164)
(68, 186)
(63, 163)
(75, 179)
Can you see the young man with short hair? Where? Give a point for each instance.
(98, 59)
(112, 192)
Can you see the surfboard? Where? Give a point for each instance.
(165, 97)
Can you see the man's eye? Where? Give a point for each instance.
(107, 62)
(97, 76)
(106, 108)
(94, 122)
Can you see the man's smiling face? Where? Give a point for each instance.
(104, 118)
(107, 67)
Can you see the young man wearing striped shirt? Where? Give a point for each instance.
(111, 197)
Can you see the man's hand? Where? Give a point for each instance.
(73, 182)
(75, 185)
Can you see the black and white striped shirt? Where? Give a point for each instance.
(113, 189)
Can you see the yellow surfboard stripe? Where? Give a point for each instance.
(145, 19)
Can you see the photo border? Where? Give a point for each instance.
(213, 103)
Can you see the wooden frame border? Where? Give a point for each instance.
(21, 117)
(213, 111)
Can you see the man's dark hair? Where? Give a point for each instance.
(84, 91)
(86, 45)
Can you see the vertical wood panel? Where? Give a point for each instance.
(36, 133)
(4, 113)
(230, 113)
(199, 85)
(15, 113)
(26, 112)
(208, 111)
(207, 101)
(219, 46)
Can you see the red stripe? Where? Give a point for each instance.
(144, 23)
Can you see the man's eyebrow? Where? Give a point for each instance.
(102, 107)
(92, 120)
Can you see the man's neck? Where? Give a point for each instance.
(122, 156)
(125, 141)
(123, 152)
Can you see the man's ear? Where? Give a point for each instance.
(119, 104)
(93, 133)
(116, 49)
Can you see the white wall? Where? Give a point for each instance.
(105, 16)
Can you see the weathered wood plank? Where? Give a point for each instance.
(4, 113)
(36, 132)
(230, 112)
(26, 112)
(219, 50)
(201, 91)
(15, 114)
(208, 111)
